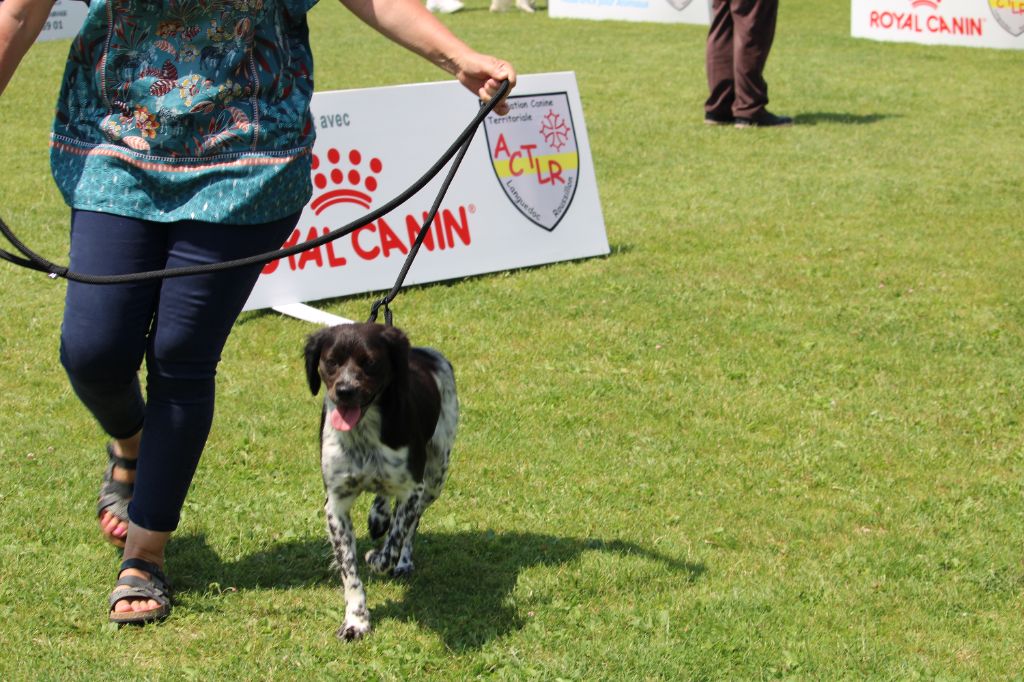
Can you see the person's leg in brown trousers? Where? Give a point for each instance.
(739, 40)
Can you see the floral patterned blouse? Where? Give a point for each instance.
(187, 109)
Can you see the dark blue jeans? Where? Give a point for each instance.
(178, 325)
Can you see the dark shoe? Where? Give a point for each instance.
(115, 495)
(765, 119)
(716, 120)
(155, 587)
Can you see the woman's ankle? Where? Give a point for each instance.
(145, 544)
(128, 447)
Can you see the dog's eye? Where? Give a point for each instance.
(330, 365)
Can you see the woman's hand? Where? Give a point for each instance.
(482, 75)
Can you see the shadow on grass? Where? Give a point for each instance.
(460, 589)
(817, 117)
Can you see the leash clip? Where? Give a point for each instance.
(388, 317)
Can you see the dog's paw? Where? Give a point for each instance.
(404, 569)
(379, 562)
(350, 631)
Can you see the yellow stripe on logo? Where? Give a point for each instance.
(522, 164)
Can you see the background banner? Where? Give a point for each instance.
(662, 11)
(971, 23)
(524, 195)
(66, 17)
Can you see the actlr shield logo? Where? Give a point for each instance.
(535, 157)
(1009, 14)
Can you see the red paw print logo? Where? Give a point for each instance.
(344, 183)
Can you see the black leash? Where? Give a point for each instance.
(424, 228)
(458, 149)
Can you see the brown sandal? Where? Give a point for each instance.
(156, 587)
(115, 495)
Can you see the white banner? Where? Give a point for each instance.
(524, 195)
(66, 17)
(971, 23)
(661, 11)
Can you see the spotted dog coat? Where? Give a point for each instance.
(387, 426)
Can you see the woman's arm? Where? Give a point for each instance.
(408, 23)
(20, 24)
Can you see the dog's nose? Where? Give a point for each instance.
(344, 394)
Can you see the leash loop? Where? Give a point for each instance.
(389, 319)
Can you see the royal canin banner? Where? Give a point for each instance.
(66, 17)
(660, 11)
(524, 195)
(971, 23)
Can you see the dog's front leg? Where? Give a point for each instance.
(343, 541)
(407, 515)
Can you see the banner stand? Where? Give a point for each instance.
(307, 313)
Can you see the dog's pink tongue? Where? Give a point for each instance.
(345, 418)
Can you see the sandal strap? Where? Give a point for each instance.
(140, 585)
(148, 567)
(116, 505)
(118, 489)
(138, 588)
(122, 462)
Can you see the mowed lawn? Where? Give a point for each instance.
(776, 433)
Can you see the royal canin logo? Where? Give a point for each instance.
(924, 17)
(355, 179)
(352, 179)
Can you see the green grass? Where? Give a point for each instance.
(776, 433)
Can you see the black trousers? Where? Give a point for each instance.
(177, 326)
(739, 40)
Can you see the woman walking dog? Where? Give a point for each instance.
(182, 136)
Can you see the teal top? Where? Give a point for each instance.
(187, 110)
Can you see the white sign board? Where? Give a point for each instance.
(661, 11)
(971, 23)
(524, 195)
(66, 17)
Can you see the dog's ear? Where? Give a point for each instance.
(395, 426)
(315, 344)
(398, 354)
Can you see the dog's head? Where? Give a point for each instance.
(357, 363)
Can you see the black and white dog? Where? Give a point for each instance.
(388, 425)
